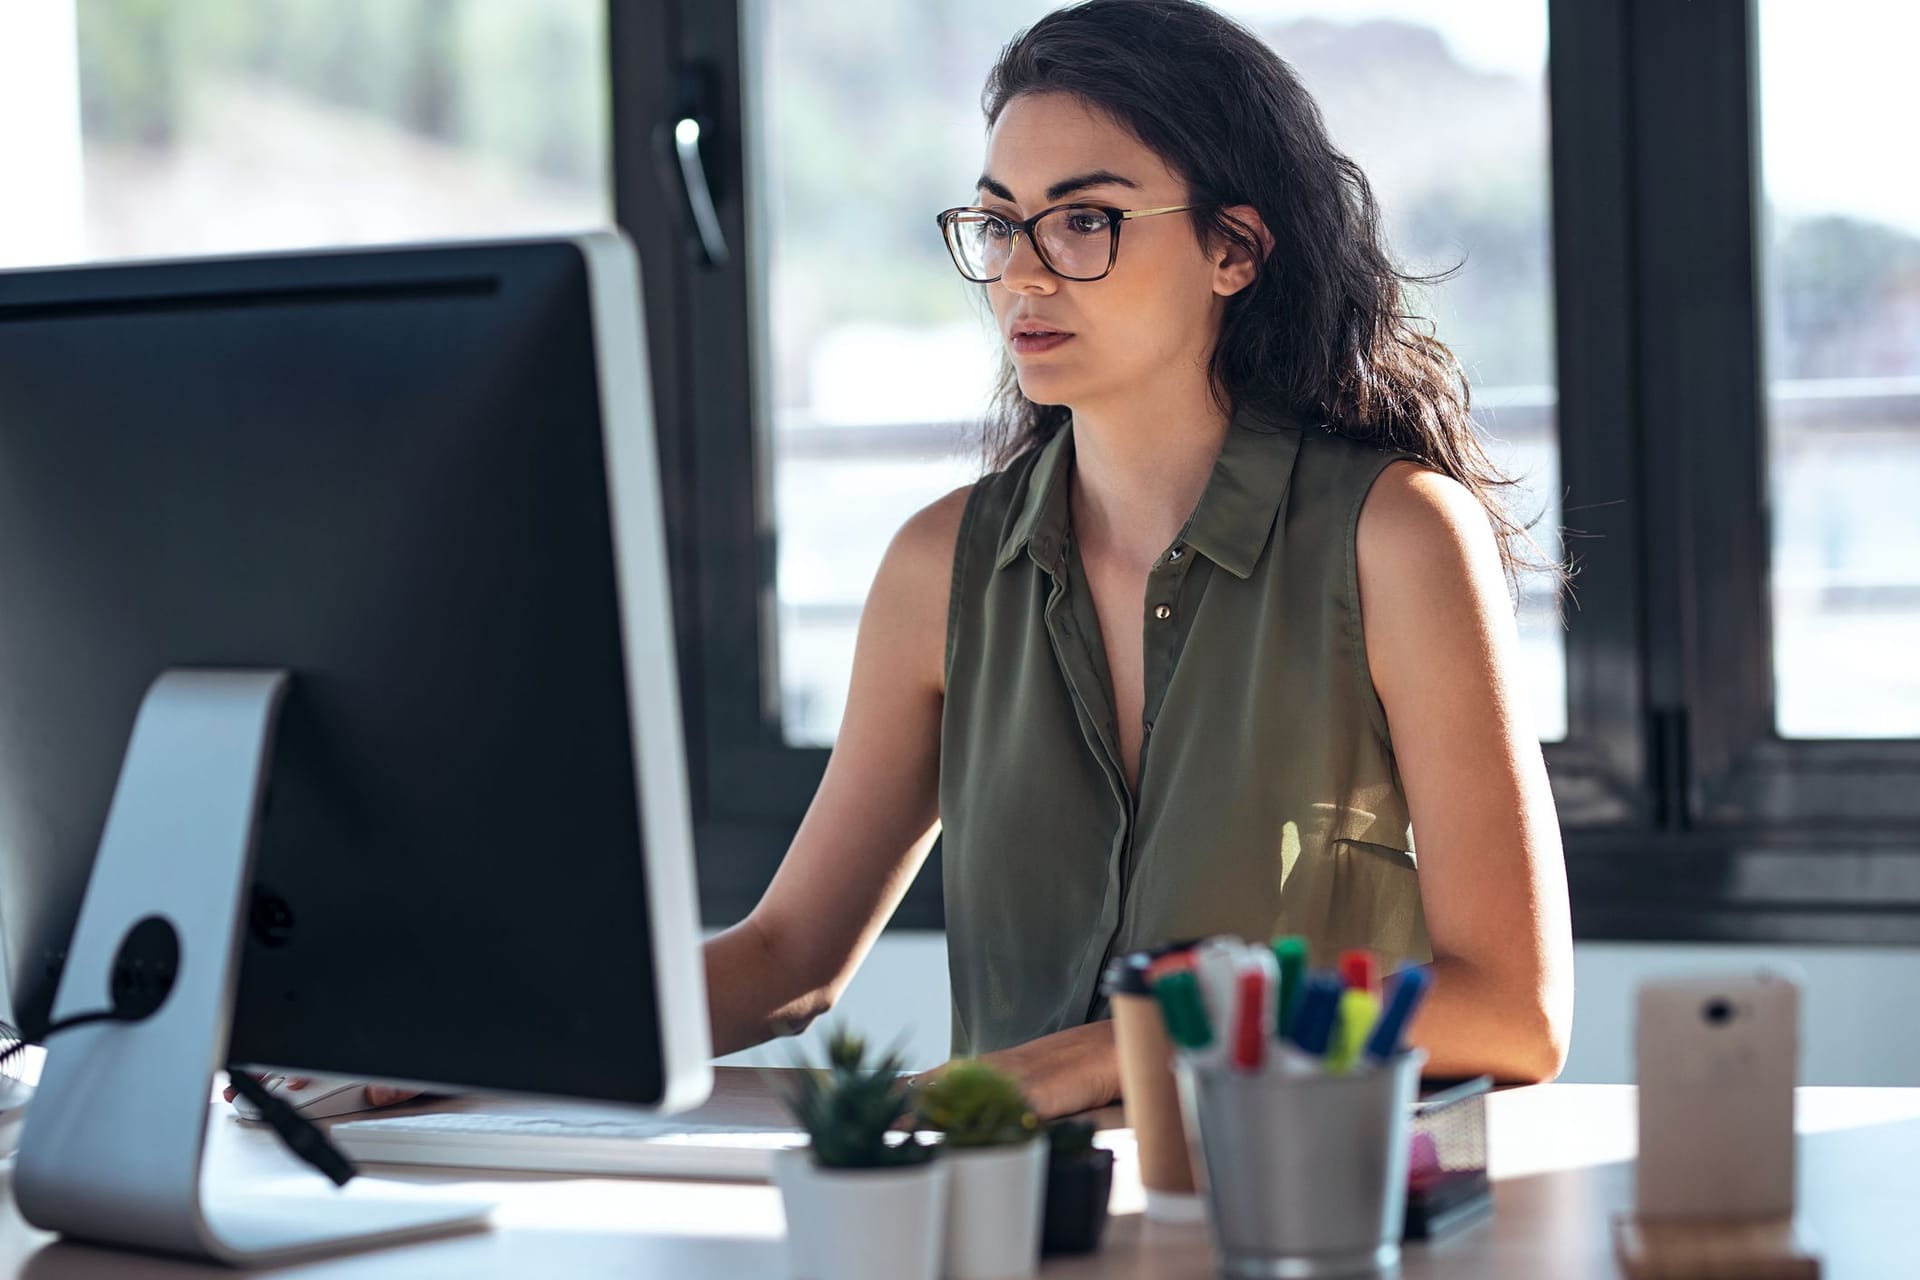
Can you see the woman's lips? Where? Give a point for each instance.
(1027, 345)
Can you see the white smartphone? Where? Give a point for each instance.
(1717, 1059)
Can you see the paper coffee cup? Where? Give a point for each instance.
(1149, 1093)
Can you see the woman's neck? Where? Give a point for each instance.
(1137, 475)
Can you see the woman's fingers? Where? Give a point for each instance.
(377, 1095)
(383, 1096)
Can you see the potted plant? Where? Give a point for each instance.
(999, 1169)
(1079, 1184)
(862, 1201)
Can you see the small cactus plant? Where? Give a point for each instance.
(848, 1108)
(976, 1105)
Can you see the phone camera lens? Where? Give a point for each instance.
(1718, 1011)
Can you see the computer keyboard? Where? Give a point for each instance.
(568, 1138)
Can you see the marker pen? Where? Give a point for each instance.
(1409, 988)
(1358, 1012)
(1290, 953)
(1360, 971)
(1185, 1012)
(1216, 962)
(1319, 1006)
(1252, 1009)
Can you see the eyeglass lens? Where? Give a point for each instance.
(1075, 241)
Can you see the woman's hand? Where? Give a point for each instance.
(378, 1095)
(1065, 1073)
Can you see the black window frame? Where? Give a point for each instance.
(1684, 816)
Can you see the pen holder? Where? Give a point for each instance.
(1305, 1174)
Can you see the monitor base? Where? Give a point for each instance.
(111, 1150)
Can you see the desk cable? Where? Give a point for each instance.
(143, 975)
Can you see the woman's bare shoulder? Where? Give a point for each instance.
(908, 602)
(928, 537)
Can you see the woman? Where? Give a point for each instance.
(1226, 625)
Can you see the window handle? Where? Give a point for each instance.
(691, 123)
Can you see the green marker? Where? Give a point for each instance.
(1291, 952)
(1186, 1014)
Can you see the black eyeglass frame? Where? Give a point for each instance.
(945, 218)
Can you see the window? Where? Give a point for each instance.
(877, 354)
(1696, 344)
(146, 128)
(1841, 240)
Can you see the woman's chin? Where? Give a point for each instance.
(1044, 386)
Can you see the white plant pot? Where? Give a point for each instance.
(994, 1203)
(862, 1224)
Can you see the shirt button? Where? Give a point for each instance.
(1176, 553)
(1163, 612)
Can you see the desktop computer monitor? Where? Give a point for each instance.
(422, 483)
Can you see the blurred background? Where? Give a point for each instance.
(232, 125)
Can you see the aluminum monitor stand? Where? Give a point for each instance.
(111, 1151)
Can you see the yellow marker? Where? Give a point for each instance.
(1358, 1012)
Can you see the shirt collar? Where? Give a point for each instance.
(1231, 524)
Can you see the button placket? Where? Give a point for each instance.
(1164, 582)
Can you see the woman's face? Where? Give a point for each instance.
(1155, 313)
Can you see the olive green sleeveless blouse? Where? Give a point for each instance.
(1268, 797)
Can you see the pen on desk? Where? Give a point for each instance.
(1409, 988)
(1290, 954)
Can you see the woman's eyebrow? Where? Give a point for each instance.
(1061, 189)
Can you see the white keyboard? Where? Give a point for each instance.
(568, 1138)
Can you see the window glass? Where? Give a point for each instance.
(1840, 244)
(149, 127)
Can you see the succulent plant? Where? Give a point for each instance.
(976, 1105)
(848, 1107)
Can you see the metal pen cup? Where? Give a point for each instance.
(1305, 1174)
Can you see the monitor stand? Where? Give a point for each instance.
(112, 1147)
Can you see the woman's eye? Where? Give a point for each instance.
(1087, 224)
(993, 229)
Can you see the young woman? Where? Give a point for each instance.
(1225, 628)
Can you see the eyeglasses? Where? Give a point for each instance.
(1074, 241)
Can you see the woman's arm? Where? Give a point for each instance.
(874, 817)
(1442, 646)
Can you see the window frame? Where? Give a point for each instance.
(1684, 817)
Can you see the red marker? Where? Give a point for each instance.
(1252, 1013)
(1359, 972)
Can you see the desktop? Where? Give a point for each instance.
(337, 625)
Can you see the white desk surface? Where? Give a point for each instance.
(1561, 1166)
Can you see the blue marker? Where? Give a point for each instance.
(1319, 1007)
(1409, 988)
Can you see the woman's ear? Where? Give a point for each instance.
(1233, 269)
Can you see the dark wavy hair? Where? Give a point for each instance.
(1321, 335)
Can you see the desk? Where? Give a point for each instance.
(1561, 1164)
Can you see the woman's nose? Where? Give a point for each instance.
(1024, 270)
